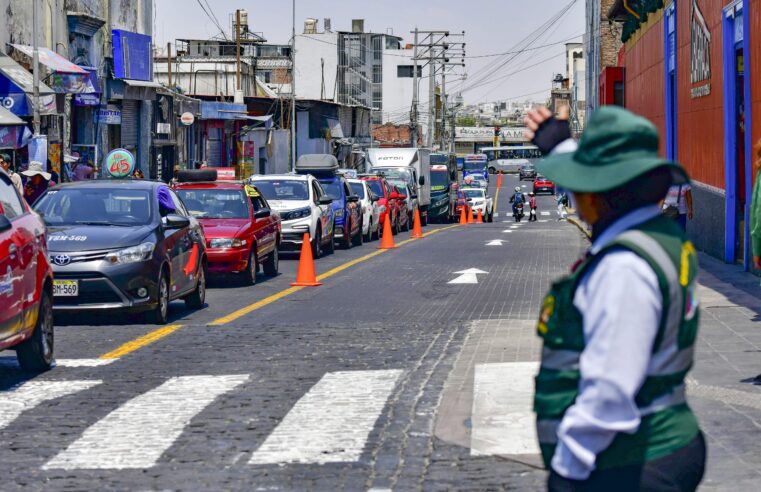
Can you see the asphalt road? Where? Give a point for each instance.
(389, 376)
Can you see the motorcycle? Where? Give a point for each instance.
(518, 212)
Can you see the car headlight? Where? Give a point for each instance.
(299, 213)
(227, 243)
(340, 212)
(131, 255)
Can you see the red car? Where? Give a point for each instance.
(389, 201)
(543, 185)
(241, 230)
(26, 282)
(462, 201)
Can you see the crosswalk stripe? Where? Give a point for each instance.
(503, 420)
(83, 362)
(332, 421)
(28, 395)
(136, 434)
(545, 213)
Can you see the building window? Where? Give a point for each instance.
(377, 47)
(406, 71)
(377, 74)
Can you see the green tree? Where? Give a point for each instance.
(466, 121)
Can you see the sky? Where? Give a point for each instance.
(491, 27)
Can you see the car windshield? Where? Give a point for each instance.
(358, 189)
(332, 188)
(375, 186)
(474, 193)
(527, 168)
(398, 175)
(95, 206)
(474, 166)
(286, 189)
(215, 203)
(439, 180)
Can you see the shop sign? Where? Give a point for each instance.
(187, 118)
(486, 134)
(119, 163)
(225, 173)
(163, 128)
(86, 99)
(700, 62)
(109, 115)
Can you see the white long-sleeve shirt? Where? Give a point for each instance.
(621, 304)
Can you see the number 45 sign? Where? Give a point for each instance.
(120, 163)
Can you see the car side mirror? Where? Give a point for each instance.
(352, 198)
(5, 223)
(325, 200)
(414, 197)
(470, 199)
(263, 213)
(374, 198)
(174, 221)
(421, 180)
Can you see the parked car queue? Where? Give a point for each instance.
(134, 246)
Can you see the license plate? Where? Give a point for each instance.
(65, 288)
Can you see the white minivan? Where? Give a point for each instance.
(368, 202)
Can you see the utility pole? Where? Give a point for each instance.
(237, 48)
(293, 90)
(413, 118)
(443, 117)
(169, 64)
(35, 69)
(431, 100)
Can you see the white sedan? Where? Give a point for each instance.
(368, 203)
(479, 199)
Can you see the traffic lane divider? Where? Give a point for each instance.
(160, 333)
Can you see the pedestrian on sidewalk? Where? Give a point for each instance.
(5, 163)
(562, 200)
(678, 204)
(619, 331)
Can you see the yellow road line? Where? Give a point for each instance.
(160, 333)
(140, 342)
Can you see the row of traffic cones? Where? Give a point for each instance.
(306, 276)
(468, 218)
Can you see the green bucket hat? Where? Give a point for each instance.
(616, 147)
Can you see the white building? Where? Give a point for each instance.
(359, 68)
(576, 69)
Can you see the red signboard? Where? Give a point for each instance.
(225, 173)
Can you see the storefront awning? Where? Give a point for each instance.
(65, 76)
(9, 119)
(16, 88)
(211, 110)
(142, 83)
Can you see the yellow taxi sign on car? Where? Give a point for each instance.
(251, 192)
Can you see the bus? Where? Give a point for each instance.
(510, 159)
(443, 187)
(475, 164)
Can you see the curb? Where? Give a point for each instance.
(582, 226)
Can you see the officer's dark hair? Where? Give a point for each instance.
(648, 189)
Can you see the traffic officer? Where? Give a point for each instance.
(619, 331)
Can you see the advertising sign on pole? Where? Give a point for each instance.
(38, 150)
(119, 163)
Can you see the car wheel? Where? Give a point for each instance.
(160, 314)
(332, 243)
(249, 276)
(346, 241)
(317, 244)
(492, 170)
(272, 264)
(36, 353)
(197, 298)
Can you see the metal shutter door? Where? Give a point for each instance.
(129, 123)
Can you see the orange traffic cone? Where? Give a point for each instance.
(306, 277)
(387, 240)
(480, 219)
(499, 180)
(470, 216)
(463, 218)
(417, 229)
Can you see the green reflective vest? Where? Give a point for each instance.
(667, 423)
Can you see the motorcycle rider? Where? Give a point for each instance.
(518, 198)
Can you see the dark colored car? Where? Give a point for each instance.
(241, 231)
(527, 172)
(543, 185)
(26, 282)
(346, 208)
(127, 245)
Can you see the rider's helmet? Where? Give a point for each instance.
(517, 188)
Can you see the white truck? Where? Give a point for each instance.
(410, 165)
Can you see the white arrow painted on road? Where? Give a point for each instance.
(469, 276)
(496, 242)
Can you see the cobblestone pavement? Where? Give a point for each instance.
(387, 377)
